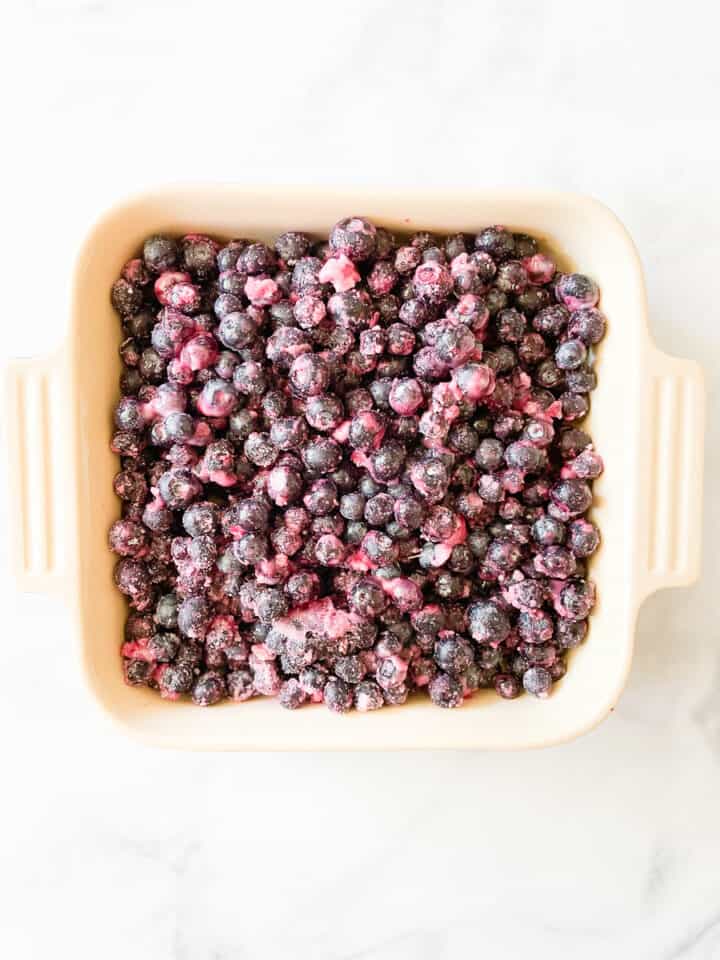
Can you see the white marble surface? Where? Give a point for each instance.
(606, 847)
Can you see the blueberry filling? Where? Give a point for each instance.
(353, 470)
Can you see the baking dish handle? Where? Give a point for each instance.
(37, 409)
(671, 493)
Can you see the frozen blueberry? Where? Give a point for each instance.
(570, 354)
(496, 241)
(577, 599)
(548, 531)
(137, 672)
(292, 246)
(354, 237)
(324, 413)
(338, 695)
(453, 654)
(581, 380)
(576, 291)
(368, 598)
(583, 538)
(292, 694)
(209, 689)
(507, 686)
(445, 691)
(537, 681)
(260, 450)
(367, 696)
(321, 455)
(570, 633)
(388, 460)
(487, 622)
(193, 617)
(302, 587)
(160, 253)
(309, 375)
(587, 324)
(166, 611)
(571, 498)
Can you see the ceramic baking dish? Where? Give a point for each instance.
(647, 420)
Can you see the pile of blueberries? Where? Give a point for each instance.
(353, 469)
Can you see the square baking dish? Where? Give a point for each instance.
(646, 420)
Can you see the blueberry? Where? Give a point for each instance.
(302, 587)
(178, 488)
(166, 611)
(576, 291)
(415, 313)
(534, 626)
(537, 681)
(256, 258)
(239, 684)
(160, 253)
(355, 531)
(548, 531)
(193, 617)
(151, 366)
(321, 455)
(487, 622)
(337, 695)
(367, 695)
(176, 679)
(237, 330)
(532, 299)
(570, 354)
(137, 672)
(365, 428)
(367, 598)
(489, 454)
(570, 633)
(352, 506)
(453, 654)
(324, 413)
(379, 509)
(507, 686)
(163, 647)
(581, 380)
(578, 599)
(432, 282)
(524, 455)
(587, 324)
(496, 241)
(292, 246)
(584, 538)
(355, 237)
(351, 309)
(571, 497)
(209, 689)
(309, 375)
(350, 669)
(511, 277)
(388, 460)
(249, 378)
(445, 691)
(510, 325)
(130, 486)
(270, 604)
(408, 512)
(292, 694)
(551, 320)
(260, 450)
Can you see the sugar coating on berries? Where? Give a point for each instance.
(354, 469)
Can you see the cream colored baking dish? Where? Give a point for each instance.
(647, 420)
